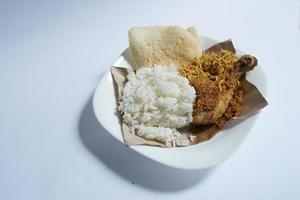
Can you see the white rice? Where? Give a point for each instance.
(156, 101)
(157, 133)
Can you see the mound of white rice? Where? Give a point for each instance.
(156, 101)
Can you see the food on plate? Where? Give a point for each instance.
(178, 95)
(245, 63)
(156, 101)
(233, 110)
(215, 81)
(215, 77)
(161, 134)
(162, 45)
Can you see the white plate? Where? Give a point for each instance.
(198, 156)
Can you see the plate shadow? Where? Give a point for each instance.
(130, 165)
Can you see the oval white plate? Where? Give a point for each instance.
(199, 156)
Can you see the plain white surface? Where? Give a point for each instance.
(52, 55)
(204, 155)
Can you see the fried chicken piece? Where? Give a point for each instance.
(233, 110)
(213, 97)
(244, 64)
(215, 77)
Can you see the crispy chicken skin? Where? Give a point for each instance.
(213, 97)
(215, 93)
(215, 77)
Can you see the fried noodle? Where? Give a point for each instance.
(210, 65)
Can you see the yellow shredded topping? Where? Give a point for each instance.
(208, 65)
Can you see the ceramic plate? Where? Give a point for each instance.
(203, 155)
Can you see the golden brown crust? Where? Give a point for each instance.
(234, 108)
(213, 97)
(215, 81)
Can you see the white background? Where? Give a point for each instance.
(52, 56)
